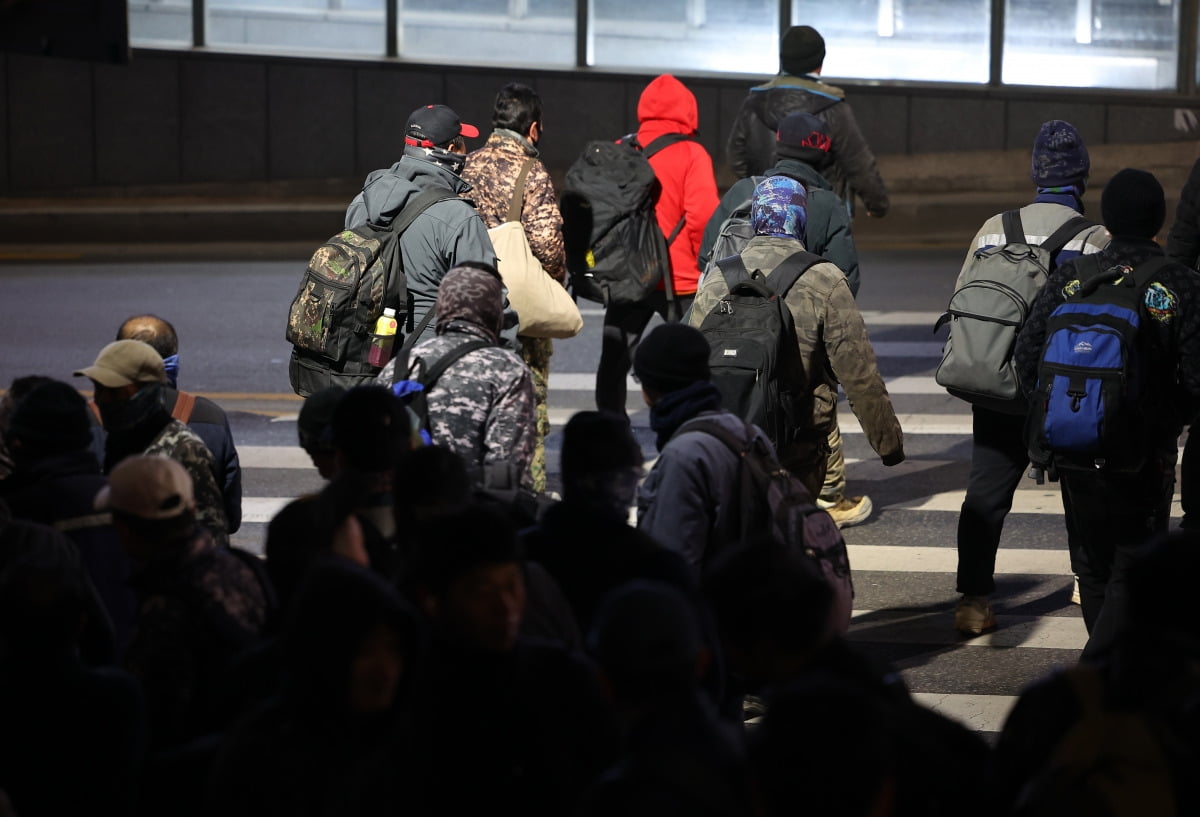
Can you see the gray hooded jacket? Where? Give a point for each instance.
(448, 233)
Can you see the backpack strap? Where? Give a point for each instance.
(711, 427)
(1059, 238)
(400, 370)
(666, 140)
(734, 271)
(419, 204)
(781, 279)
(518, 197)
(183, 407)
(785, 276)
(1014, 230)
(1139, 277)
(449, 359)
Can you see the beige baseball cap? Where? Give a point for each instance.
(123, 362)
(148, 487)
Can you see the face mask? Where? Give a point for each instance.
(129, 414)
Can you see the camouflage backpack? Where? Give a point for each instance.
(348, 282)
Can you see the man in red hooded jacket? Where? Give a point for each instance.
(689, 192)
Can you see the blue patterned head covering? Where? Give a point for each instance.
(779, 207)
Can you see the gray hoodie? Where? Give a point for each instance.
(448, 233)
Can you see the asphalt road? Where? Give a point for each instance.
(230, 317)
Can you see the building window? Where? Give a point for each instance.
(524, 32)
(935, 40)
(1091, 43)
(735, 36)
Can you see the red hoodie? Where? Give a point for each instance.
(685, 171)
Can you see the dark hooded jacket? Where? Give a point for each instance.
(482, 407)
(751, 144)
(447, 233)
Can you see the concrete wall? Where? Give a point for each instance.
(192, 118)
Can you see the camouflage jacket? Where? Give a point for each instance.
(833, 342)
(181, 444)
(199, 606)
(492, 172)
(482, 407)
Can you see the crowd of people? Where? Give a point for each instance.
(433, 633)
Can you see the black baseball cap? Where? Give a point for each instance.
(434, 125)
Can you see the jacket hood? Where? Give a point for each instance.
(666, 98)
(386, 192)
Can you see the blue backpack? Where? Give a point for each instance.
(1088, 411)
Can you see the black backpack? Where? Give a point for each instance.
(348, 282)
(616, 253)
(755, 359)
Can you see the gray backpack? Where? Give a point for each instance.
(736, 232)
(987, 311)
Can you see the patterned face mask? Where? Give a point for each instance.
(780, 208)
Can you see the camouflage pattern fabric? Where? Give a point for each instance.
(483, 406)
(536, 353)
(340, 272)
(181, 444)
(492, 172)
(195, 614)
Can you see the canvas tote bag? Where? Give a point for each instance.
(544, 307)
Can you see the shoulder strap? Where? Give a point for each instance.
(715, 429)
(1146, 270)
(1059, 238)
(183, 407)
(518, 197)
(400, 370)
(784, 277)
(420, 203)
(675, 232)
(666, 140)
(449, 359)
(733, 270)
(1014, 230)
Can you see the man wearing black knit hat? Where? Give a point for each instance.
(797, 87)
(689, 500)
(1112, 514)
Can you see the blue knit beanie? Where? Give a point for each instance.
(1060, 158)
(779, 207)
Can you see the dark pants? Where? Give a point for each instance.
(1112, 518)
(623, 328)
(998, 461)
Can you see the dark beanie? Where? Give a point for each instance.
(672, 357)
(801, 50)
(598, 441)
(802, 136)
(1060, 158)
(1132, 204)
(51, 419)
